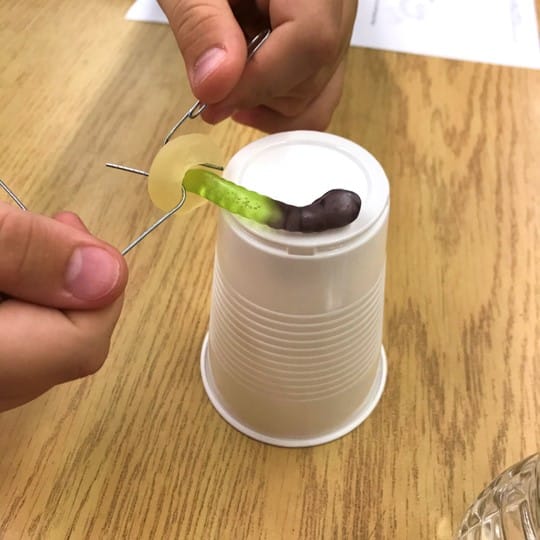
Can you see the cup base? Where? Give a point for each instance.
(357, 418)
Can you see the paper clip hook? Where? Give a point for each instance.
(197, 108)
(161, 220)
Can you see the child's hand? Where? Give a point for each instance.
(295, 79)
(62, 292)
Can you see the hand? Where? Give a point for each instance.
(63, 290)
(295, 79)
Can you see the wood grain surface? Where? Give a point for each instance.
(137, 451)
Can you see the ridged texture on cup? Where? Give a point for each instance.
(288, 375)
(294, 350)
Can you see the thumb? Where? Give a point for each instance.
(44, 261)
(212, 45)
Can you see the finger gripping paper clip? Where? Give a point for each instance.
(193, 112)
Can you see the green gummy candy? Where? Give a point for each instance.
(230, 196)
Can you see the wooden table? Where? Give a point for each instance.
(137, 451)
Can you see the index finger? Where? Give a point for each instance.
(211, 43)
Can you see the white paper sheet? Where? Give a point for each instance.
(146, 11)
(493, 31)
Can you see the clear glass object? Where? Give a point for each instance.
(509, 508)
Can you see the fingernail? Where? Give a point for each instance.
(206, 64)
(92, 273)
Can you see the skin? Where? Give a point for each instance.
(48, 335)
(295, 79)
(55, 325)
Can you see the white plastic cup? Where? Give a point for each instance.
(294, 355)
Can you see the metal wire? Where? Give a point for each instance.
(161, 220)
(12, 195)
(19, 203)
(197, 108)
(139, 238)
(127, 169)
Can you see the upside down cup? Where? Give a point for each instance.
(293, 355)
